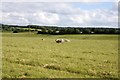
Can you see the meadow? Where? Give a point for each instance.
(26, 55)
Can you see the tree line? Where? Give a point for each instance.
(59, 30)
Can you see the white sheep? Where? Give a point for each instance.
(62, 40)
(59, 40)
(67, 40)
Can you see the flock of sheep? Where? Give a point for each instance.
(61, 40)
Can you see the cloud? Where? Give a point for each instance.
(60, 0)
(30, 18)
(14, 18)
(81, 19)
(61, 14)
(48, 18)
(95, 17)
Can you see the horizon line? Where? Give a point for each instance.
(67, 26)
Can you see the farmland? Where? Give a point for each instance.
(25, 55)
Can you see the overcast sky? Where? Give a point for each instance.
(60, 14)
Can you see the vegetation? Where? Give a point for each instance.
(25, 55)
(59, 30)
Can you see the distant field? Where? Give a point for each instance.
(86, 56)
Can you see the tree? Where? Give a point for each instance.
(77, 31)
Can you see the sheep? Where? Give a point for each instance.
(59, 40)
(62, 40)
(67, 40)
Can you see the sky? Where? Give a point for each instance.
(60, 13)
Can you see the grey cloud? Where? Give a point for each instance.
(59, 8)
(56, 14)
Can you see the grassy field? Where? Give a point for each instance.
(86, 56)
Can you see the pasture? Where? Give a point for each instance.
(25, 55)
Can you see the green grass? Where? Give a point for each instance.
(86, 56)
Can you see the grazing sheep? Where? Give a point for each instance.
(62, 40)
(59, 40)
(67, 40)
